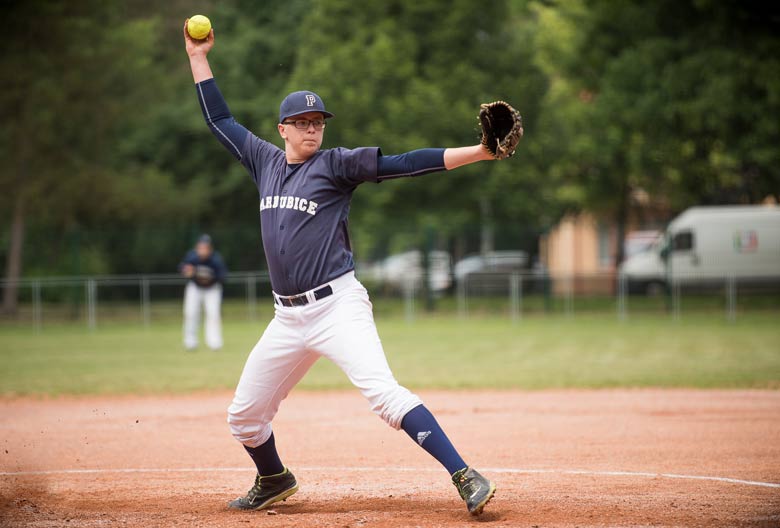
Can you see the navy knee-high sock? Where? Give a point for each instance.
(266, 458)
(423, 428)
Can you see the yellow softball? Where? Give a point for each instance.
(198, 27)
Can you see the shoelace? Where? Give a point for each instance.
(255, 491)
(466, 486)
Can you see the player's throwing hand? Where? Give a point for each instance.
(195, 47)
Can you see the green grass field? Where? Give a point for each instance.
(433, 352)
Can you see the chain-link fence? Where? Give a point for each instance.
(90, 300)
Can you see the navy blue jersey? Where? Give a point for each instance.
(303, 211)
(207, 272)
(304, 207)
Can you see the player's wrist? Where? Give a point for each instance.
(484, 153)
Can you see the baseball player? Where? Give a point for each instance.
(320, 307)
(205, 271)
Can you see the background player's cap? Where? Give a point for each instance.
(204, 239)
(301, 102)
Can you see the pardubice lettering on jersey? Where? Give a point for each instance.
(289, 202)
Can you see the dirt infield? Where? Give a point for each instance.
(560, 458)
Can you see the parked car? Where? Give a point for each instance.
(495, 261)
(403, 269)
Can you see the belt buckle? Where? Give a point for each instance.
(303, 299)
(299, 300)
(283, 301)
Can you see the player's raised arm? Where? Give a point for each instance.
(215, 110)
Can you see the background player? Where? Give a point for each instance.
(320, 308)
(206, 272)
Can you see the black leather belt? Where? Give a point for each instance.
(302, 299)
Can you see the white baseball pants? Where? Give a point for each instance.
(211, 300)
(339, 327)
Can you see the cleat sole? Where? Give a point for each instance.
(279, 498)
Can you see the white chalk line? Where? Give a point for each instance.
(517, 471)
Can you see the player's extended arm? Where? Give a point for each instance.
(457, 157)
(425, 161)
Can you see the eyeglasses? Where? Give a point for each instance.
(303, 124)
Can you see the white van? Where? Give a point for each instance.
(707, 245)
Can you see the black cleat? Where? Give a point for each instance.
(266, 491)
(475, 489)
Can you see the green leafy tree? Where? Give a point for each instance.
(408, 74)
(73, 88)
(676, 98)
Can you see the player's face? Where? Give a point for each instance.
(203, 250)
(303, 143)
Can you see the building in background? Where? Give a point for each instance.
(579, 254)
(580, 251)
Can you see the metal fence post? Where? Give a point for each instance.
(91, 298)
(251, 297)
(547, 292)
(515, 296)
(37, 310)
(731, 298)
(409, 300)
(146, 310)
(676, 300)
(569, 296)
(462, 300)
(621, 300)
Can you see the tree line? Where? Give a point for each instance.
(108, 166)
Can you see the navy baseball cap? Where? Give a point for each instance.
(301, 102)
(204, 239)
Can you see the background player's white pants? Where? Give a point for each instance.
(211, 300)
(339, 327)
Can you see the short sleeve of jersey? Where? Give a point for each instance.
(257, 153)
(353, 167)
